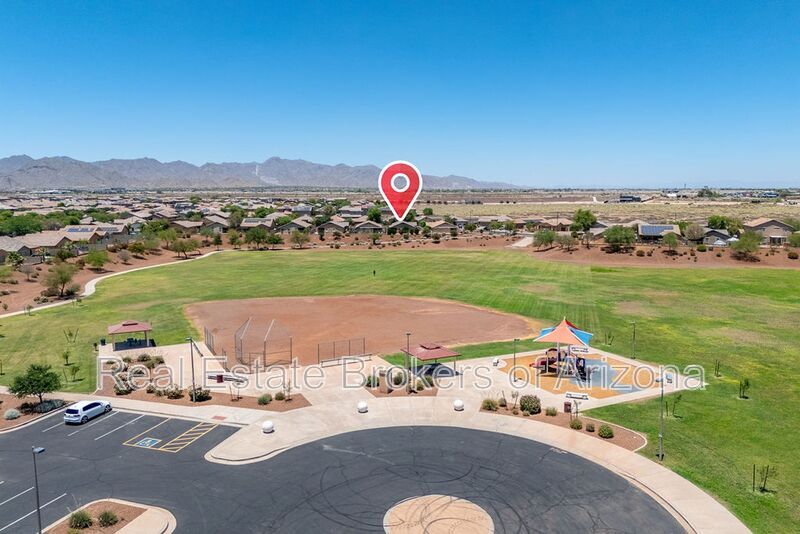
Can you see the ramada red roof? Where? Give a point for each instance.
(129, 327)
(432, 351)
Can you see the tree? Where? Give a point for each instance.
(168, 236)
(217, 240)
(427, 212)
(671, 241)
(14, 259)
(185, 246)
(566, 241)
(694, 232)
(124, 256)
(747, 245)
(273, 240)
(235, 219)
(544, 238)
(38, 380)
(794, 240)
(137, 248)
(59, 276)
(583, 220)
(374, 214)
(470, 227)
(97, 258)
(510, 226)
(256, 236)
(234, 238)
(321, 233)
(299, 238)
(65, 253)
(619, 237)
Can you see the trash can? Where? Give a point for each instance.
(567, 407)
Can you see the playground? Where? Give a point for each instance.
(319, 329)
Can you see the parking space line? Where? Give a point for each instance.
(187, 438)
(17, 495)
(99, 420)
(33, 512)
(128, 443)
(52, 427)
(119, 427)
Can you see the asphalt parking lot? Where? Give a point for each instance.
(341, 484)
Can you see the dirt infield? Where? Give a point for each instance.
(382, 320)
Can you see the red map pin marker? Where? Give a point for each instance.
(400, 183)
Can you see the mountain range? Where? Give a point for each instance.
(23, 173)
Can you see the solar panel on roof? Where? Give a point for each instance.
(655, 229)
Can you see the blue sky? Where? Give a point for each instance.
(547, 94)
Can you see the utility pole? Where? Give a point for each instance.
(408, 362)
(514, 368)
(36, 451)
(661, 424)
(191, 352)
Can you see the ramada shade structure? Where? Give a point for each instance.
(432, 352)
(129, 327)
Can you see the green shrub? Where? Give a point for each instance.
(73, 531)
(80, 519)
(264, 399)
(199, 394)
(143, 358)
(151, 388)
(526, 413)
(127, 359)
(590, 427)
(107, 518)
(373, 381)
(123, 389)
(489, 405)
(159, 360)
(515, 411)
(173, 392)
(551, 411)
(605, 432)
(576, 424)
(420, 385)
(502, 402)
(640, 253)
(279, 396)
(701, 248)
(530, 403)
(793, 255)
(398, 378)
(11, 414)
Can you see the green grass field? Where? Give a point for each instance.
(747, 318)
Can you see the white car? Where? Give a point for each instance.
(82, 411)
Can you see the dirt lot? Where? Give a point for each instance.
(382, 320)
(659, 258)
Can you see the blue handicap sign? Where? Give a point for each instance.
(147, 442)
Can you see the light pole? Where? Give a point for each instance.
(514, 368)
(408, 362)
(661, 419)
(35, 451)
(191, 352)
(633, 340)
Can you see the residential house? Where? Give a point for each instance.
(715, 237)
(46, 242)
(441, 227)
(295, 224)
(10, 244)
(656, 232)
(216, 223)
(557, 224)
(334, 226)
(775, 232)
(187, 227)
(403, 226)
(367, 227)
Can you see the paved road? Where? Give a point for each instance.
(341, 484)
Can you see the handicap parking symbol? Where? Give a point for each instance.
(148, 442)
